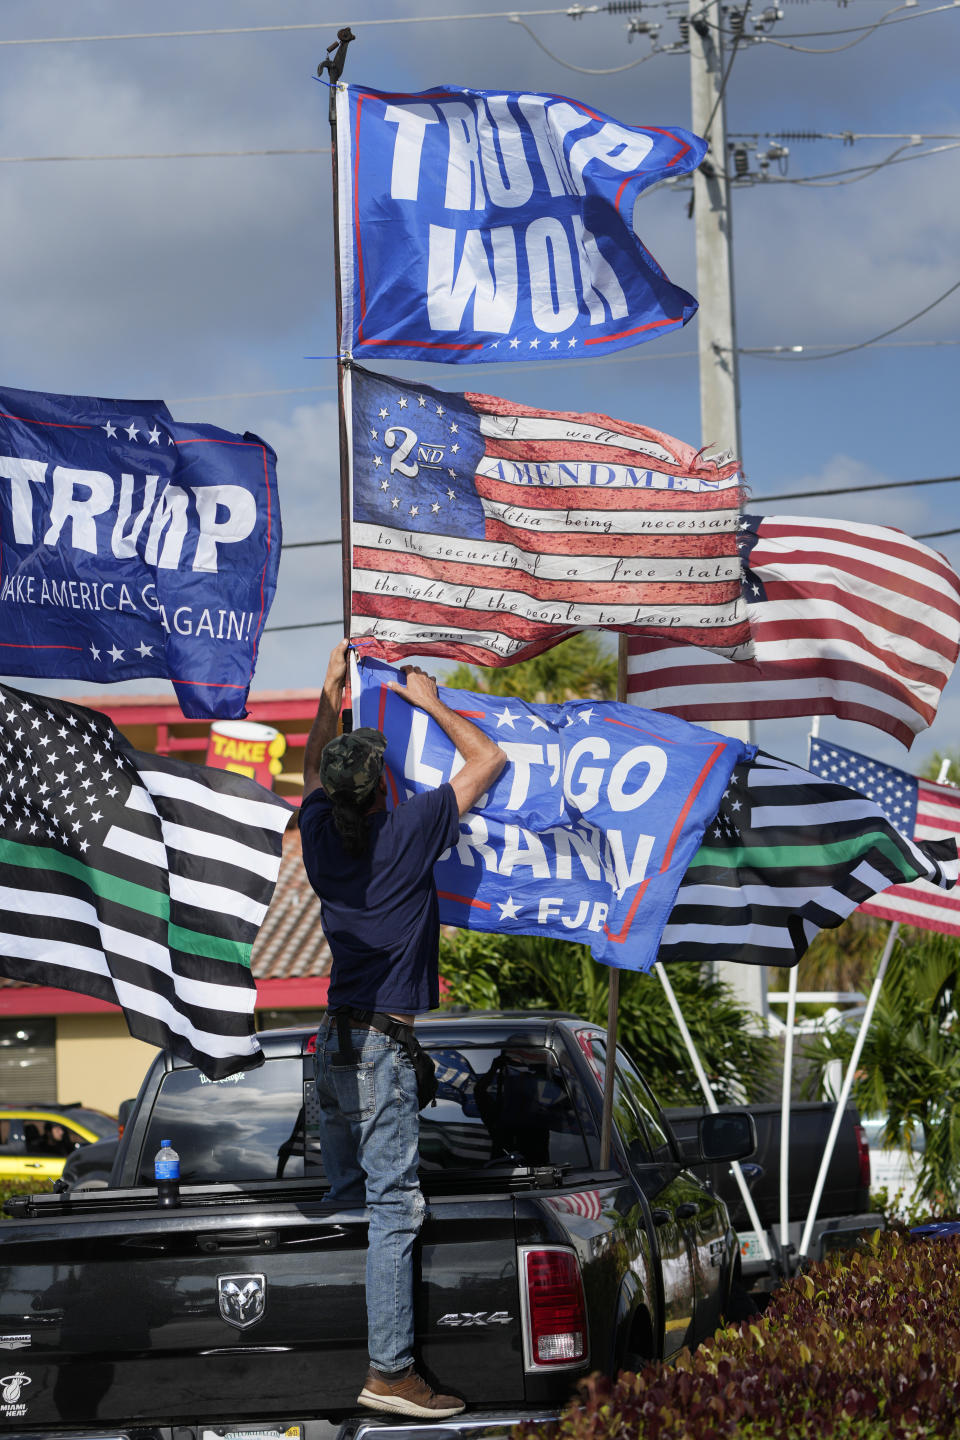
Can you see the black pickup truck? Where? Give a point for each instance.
(240, 1313)
(844, 1210)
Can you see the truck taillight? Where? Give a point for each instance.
(863, 1156)
(556, 1313)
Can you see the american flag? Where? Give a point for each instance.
(790, 853)
(852, 620)
(919, 809)
(136, 879)
(588, 1204)
(487, 531)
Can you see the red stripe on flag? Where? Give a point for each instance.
(637, 330)
(705, 709)
(742, 674)
(859, 571)
(811, 594)
(903, 548)
(782, 630)
(465, 900)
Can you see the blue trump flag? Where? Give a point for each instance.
(132, 545)
(587, 832)
(484, 226)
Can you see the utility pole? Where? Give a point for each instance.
(716, 321)
(719, 371)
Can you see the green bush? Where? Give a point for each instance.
(523, 972)
(864, 1346)
(21, 1187)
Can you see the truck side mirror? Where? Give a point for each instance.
(730, 1136)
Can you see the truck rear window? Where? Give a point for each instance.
(495, 1106)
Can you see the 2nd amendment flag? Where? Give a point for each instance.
(136, 879)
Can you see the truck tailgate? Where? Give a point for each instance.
(203, 1312)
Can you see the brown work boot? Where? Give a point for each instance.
(406, 1393)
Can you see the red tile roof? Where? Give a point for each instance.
(291, 943)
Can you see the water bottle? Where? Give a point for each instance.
(166, 1172)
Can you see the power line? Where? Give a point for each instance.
(776, 354)
(248, 394)
(157, 155)
(847, 136)
(303, 625)
(756, 499)
(856, 490)
(622, 359)
(582, 69)
(574, 11)
(893, 345)
(726, 75)
(861, 172)
(863, 30)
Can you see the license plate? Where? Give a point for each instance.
(750, 1248)
(281, 1431)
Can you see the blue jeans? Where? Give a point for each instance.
(369, 1130)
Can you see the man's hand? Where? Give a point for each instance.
(420, 689)
(483, 758)
(337, 664)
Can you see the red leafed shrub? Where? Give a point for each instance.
(863, 1346)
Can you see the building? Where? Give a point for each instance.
(63, 1046)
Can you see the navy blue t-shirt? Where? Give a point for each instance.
(379, 910)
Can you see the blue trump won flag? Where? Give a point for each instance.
(133, 545)
(587, 832)
(479, 226)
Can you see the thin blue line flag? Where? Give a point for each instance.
(132, 545)
(588, 830)
(483, 226)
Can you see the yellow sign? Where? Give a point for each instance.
(246, 748)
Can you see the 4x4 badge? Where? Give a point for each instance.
(242, 1299)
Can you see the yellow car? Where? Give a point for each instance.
(34, 1143)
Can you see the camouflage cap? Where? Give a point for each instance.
(351, 765)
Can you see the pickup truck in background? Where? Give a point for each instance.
(844, 1209)
(241, 1311)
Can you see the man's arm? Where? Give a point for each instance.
(324, 727)
(483, 758)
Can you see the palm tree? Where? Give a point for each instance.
(910, 1064)
(841, 959)
(576, 669)
(537, 972)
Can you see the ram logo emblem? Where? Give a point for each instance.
(242, 1299)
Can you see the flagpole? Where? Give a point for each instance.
(785, 1107)
(333, 65)
(711, 1100)
(613, 995)
(846, 1088)
(606, 1122)
(786, 1096)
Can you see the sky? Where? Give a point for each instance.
(208, 282)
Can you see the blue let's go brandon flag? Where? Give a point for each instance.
(132, 545)
(588, 830)
(484, 226)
